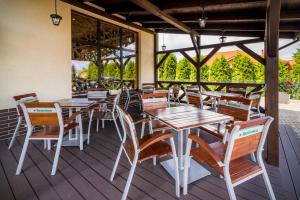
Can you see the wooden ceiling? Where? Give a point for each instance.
(233, 17)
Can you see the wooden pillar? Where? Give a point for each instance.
(271, 78)
(121, 55)
(98, 61)
(198, 61)
(155, 59)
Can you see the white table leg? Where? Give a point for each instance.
(180, 149)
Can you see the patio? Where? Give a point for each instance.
(60, 72)
(85, 175)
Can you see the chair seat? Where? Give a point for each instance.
(52, 132)
(158, 149)
(214, 130)
(239, 168)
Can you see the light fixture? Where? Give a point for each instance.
(163, 47)
(202, 20)
(222, 38)
(55, 17)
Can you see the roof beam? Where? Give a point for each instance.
(150, 7)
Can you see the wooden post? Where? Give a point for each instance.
(198, 61)
(271, 78)
(155, 59)
(98, 61)
(121, 55)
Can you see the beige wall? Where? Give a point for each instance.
(35, 55)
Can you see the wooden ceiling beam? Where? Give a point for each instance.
(106, 15)
(150, 7)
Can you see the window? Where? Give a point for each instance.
(101, 51)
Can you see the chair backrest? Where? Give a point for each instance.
(24, 98)
(194, 88)
(246, 138)
(129, 131)
(237, 107)
(148, 87)
(255, 97)
(96, 93)
(116, 102)
(43, 114)
(237, 89)
(194, 98)
(154, 101)
(160, 91)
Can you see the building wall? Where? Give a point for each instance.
(35, 55)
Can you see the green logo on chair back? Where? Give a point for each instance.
(250, 131)
(41, 110)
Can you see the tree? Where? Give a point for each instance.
(243, 69)
(283, 71)
(92, 71)
(112, 70)
(170, 68)
(130, 71)
(220, 71)
(204, 70)
(260, 73)
(296, 67)
(183, 70)
(161, 67)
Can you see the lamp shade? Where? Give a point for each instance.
(163, 47)
(55, 19)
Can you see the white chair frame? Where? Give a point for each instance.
(124, 119)
(235, 134)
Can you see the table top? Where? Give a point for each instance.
(186, 117)
(76, 103)
(218, 94)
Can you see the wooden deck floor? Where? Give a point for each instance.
(85, 175)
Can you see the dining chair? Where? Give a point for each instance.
(48, 117)
(237, 107)
(255, 97)
(150, 102)
(194, 97)
(139, 150)
(237, 89)
(30, 97)
(148, 88)
(106, 114)
(96, 93)
(134, 98)
(230, 160)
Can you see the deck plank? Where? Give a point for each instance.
(5, 190)
(291, 160)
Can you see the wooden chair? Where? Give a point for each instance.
(162, 91)
(195, 98)
(48, 117)
(238, 107)
(96, 93)
(30, 97)
(148, 88)
(230, 159)
(138, 150)
(237, 89)
(150, 102)
(255, 97)
(104, 115)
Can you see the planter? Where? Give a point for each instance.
(114, 92)
(284, 98)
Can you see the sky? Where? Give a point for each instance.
(175, 41)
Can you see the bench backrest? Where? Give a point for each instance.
(154, 101)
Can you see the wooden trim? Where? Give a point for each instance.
(209, 56)
(252, 53)
(106, 15)
(289, 44)
(152, 8)
(188, 58)
(162, 60)
(209, 46)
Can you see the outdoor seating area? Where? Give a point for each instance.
(99, 108)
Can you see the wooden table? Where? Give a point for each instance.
(184, 118)
(216, 95)
(77, 104)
